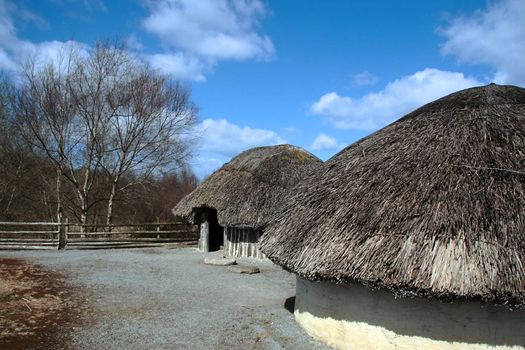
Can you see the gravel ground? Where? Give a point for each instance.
(161, 298)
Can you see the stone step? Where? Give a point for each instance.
(220, 261)
(244, 269)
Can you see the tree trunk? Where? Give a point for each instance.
(83, 213)
(112, 195)
(59, 194)
(84, 200)
(13, 191)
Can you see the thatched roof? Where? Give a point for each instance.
(248, 190)
(432, 204)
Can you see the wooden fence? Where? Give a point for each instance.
(54, 235)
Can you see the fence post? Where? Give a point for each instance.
(62, 235)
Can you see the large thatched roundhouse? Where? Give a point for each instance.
(414, 237)
(234, 204)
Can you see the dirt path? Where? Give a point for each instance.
(168, 299)
(37, 308)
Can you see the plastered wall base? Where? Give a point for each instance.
(354, 317)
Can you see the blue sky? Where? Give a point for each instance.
(317, 74)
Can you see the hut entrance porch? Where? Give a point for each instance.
(211, 233)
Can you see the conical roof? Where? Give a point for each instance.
(433, 204)
(249, 190)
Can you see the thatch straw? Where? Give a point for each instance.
(433, 204)
(250, 189)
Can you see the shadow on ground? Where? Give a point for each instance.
(289, 304)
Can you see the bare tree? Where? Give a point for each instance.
(103, 113)
(148, 132)
(24, 192)
(49, 114)
(153, 200)
(7, 187)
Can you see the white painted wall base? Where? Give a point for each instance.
(353, 317)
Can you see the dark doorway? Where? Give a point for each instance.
(216, 231)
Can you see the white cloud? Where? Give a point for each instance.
(291, 130)
(494, 36)
(324, 142)
(28, 16)
(15, 51)
(178, 65)
(221, 140)
(95, 5)
(7, 28)
(222, 137)
(205, 164)
(221, 29)
(364, 78)
(6, 62)
(53, 51)
(399, 97)
(196, 35)
(133, 43)
(208, 31)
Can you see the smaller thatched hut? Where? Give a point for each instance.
(234, 204)
(414, 237)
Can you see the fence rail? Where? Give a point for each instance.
(55, 235)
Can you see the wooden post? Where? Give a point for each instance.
(62, 234)
(158, 227)
(224, 241)
(204, 245)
